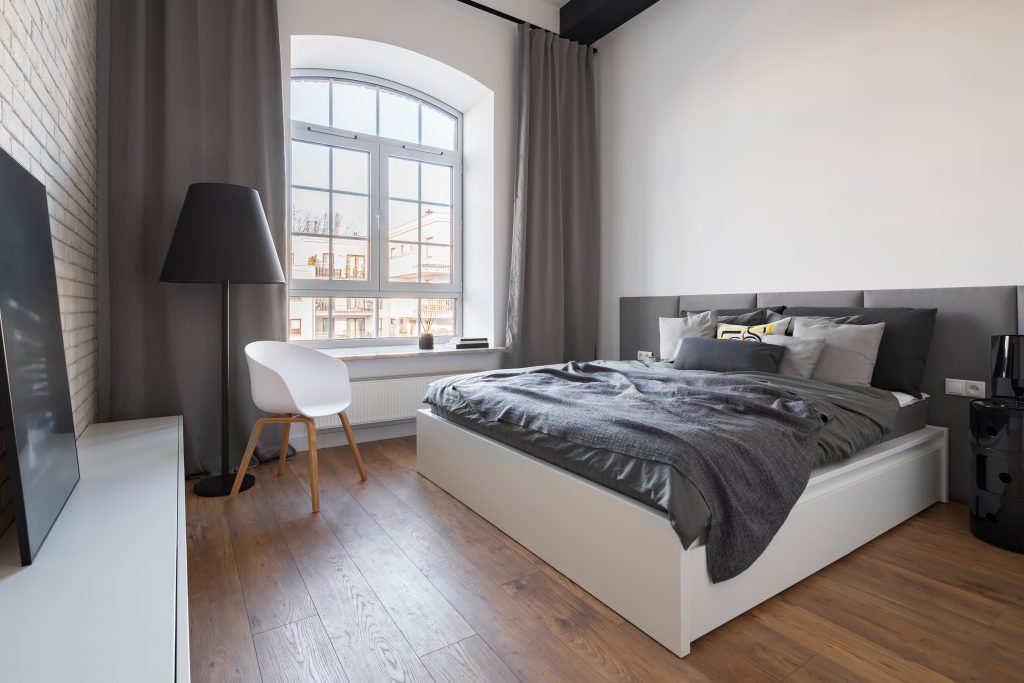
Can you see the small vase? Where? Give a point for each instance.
(426, 341)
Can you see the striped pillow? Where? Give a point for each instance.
(752, 332)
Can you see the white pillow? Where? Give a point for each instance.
(801, 355)
(906, 399)
(675, 330)
(850, 350)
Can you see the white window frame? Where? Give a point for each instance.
(380, 149)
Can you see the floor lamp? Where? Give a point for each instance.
(222, 236)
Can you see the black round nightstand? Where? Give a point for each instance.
(997, 473)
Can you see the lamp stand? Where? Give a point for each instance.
(220, 484)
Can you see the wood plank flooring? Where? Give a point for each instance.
(395, 580)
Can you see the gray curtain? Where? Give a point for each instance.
(553, 283)
(194, 93)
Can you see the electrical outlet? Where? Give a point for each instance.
(975, 389)
(956, 387)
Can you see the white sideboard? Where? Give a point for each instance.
(107, 597)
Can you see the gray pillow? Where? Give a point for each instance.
(728, 355)
(839, 320)
(850, 350)
(802, 354)
(743, 316)
(755, 317)
(674, 330)
(903, 354)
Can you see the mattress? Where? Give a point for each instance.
(651, 483)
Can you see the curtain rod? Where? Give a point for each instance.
(497, 13)
(503, 15)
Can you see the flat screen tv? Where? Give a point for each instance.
(35, 403)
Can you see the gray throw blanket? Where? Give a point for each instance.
(748, 447)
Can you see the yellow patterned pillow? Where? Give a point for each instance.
(752, 333)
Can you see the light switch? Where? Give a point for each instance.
(956, 387)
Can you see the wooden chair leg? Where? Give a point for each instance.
(286, 429)
(249, 450)
(314, 473)
(352, 444)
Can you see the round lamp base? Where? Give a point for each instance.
(217, 485)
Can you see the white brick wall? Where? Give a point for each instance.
(48, 123)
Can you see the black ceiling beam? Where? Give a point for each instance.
(499, 13)
(587, 21)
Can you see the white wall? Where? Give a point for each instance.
(473, 42)
(802, 145)
(48, 124)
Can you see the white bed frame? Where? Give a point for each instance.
(627, 555)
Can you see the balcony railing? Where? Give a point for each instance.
(322, 273)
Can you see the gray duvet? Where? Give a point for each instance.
(733, 451)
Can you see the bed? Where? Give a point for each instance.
(635, 556)
(660, 485)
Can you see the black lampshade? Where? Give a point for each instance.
(1007, 357)
(222, 234)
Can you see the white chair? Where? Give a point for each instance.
(296, 384)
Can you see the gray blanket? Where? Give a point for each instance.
(747, 446)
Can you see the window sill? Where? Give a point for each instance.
(411, 351)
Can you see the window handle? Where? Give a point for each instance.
(331, 131)
(414, 148)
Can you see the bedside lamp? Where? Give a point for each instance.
(1007, 366)
(222, 236)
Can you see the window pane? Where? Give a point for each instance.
(403, 264)
(403, 223)
(321, 318)
(438, 316)
(403, 179)
(350, 261)
(436, 264)
(353, 318)
(399, 117)
(351, 215)
(437, 183)
(355, 107)
(310, 257)
(398, 318)
(435, 225)
(438, 128)
(351, 170)
(310, 165)
(300, 318)
(310, 103)
(309, 211)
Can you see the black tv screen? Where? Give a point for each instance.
(36, 401)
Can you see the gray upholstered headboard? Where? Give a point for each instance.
(967, 318)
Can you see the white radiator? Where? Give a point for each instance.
(384, 400)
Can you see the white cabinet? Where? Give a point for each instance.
(107, 597)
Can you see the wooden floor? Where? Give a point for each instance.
(396, 580)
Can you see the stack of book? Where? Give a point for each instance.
(470, 342)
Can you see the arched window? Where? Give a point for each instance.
(376, 211)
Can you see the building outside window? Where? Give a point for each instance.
(376, 211)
